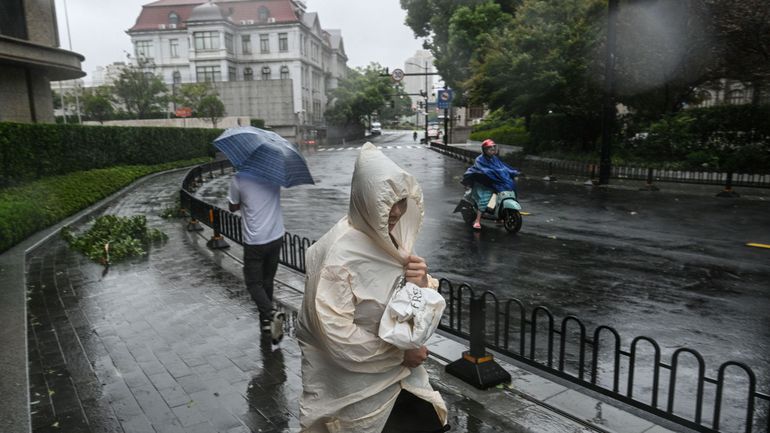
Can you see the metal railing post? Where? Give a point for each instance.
(728, 191)
(478, 367)
(649, 186)
(217, 241)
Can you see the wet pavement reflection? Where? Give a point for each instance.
(168, 342)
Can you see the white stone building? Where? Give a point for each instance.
(268, 59)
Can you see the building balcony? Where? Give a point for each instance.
(55, 63)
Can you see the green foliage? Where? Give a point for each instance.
(27, 209)
(359, 96)
(727, 138)
(502, 131)
(141, 92)
(30, 151)
(212, 109)
(190, 94)
(258, 123)
(97, 103)
(112, 238)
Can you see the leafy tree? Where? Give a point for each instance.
(665, 49)
(542, 63)
(140, 91)
(454, 29)
(97, 103)
(191, 94)
(398, 105)
(211, 108)
(363, 93)
(743, 27)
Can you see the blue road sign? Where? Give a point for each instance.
(444, 99)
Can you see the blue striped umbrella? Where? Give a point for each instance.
(264, 155)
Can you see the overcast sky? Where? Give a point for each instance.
(372, 30)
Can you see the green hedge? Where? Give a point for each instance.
(27, 209)
(258, 123)
(34, 151)
(502, 130)
(730, 138)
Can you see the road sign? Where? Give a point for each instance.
(444, 99)
(397, 75)
(183, 112)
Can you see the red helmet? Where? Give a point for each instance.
(487, 143)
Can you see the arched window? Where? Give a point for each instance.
(735, 97)
(706, 100)
(264, 13)
(248, 74)
(173, 18)
(177, 77)
(284, 72)
(266, 73)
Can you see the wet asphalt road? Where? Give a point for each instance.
(670, 266)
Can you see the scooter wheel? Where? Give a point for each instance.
(512, 221)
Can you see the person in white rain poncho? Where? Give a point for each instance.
(351, 378)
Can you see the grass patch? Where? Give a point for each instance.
(27, 209)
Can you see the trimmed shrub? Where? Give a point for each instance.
(506, 134)
(563, 132)
(34, 151)
(258, 123)
(27, 209)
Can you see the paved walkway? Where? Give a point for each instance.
(170, 343)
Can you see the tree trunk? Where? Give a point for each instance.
(756, 92)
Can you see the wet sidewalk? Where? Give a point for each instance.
(170, 343)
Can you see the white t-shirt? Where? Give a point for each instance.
(260, 209)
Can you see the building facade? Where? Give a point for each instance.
(30, 60)
(268, 59)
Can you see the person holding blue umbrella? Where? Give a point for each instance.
(265, 162)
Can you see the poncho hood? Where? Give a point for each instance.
(378, 183)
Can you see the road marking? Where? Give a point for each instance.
(525, 213)
(755, 245)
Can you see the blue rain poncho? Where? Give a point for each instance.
(492, 173)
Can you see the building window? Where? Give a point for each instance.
(229, 43)
(266, 73)
(284, 72)
(144, 49)
(314, 51)
(173, 47)
(264, 43)
(264, 13)
(208, 73)
(231, 73)
(248, 74)
(283, 42)
(176, 77)
(173, 18)
(13, 23)
(246, 44)
(735, 97)
(206, 40)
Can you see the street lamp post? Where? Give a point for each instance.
(426, 69)
(608, 101)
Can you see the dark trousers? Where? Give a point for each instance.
(412, 414)
(260, 263)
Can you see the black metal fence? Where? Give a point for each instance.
(531, 337)
(590, 170)
(227, 224)
(597, 361)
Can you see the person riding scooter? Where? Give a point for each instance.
(487, 176)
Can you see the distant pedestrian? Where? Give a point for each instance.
(353, 380)
(262, 226)
(414, 135)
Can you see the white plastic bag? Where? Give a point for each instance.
(411, 316)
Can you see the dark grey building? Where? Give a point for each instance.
(30, 59)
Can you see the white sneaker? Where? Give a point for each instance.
(276, 326)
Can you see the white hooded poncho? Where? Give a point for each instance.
(350, 376)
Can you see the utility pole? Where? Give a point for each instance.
(608, 101)
(69, 38)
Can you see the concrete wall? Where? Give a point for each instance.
(227, 122)
(270, 100)
(25, 97)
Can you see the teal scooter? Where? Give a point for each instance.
(506, 209)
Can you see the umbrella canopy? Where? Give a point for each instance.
(264, 155)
